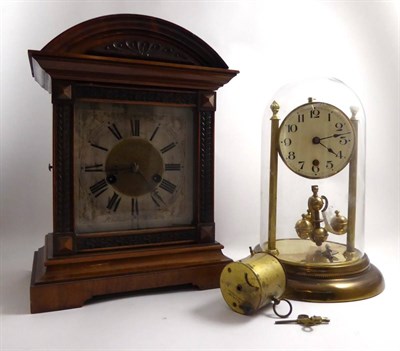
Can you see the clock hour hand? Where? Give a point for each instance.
(317, 140)
(329, 149)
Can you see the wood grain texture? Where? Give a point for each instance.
(68, 282)
(127, 59)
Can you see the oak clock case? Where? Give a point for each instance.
(313, 192)
(134, 103)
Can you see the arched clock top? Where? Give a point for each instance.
(131, 50)
(135, 36)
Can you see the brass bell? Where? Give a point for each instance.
(319, 235)
(304, 227)
(339, 223)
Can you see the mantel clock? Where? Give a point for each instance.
(134, 99)
(313, 192)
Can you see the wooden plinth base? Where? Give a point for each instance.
(68, 282)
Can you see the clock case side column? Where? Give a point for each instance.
(205, 173)
(62, 241)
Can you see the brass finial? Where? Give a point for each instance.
(275, 109)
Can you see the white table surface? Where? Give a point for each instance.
(189, 319)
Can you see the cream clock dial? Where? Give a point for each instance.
(316, 140)
(134, 166)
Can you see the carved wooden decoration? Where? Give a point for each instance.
(127, 59)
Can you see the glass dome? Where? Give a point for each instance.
(312, 210)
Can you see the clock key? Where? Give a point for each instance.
(305, 320)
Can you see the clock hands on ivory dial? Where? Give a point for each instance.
(317, 140)
(334, 135)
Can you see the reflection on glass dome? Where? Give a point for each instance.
(313, 189)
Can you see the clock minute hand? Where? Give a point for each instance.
(334, 136)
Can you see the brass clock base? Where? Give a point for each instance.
(68, 282)
(320, 275)
(357, 281)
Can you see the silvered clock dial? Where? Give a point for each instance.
(133, 166)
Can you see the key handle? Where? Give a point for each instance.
(306, 321)
(276, 302)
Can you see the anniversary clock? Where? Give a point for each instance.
(313, 192)
(134, 99)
